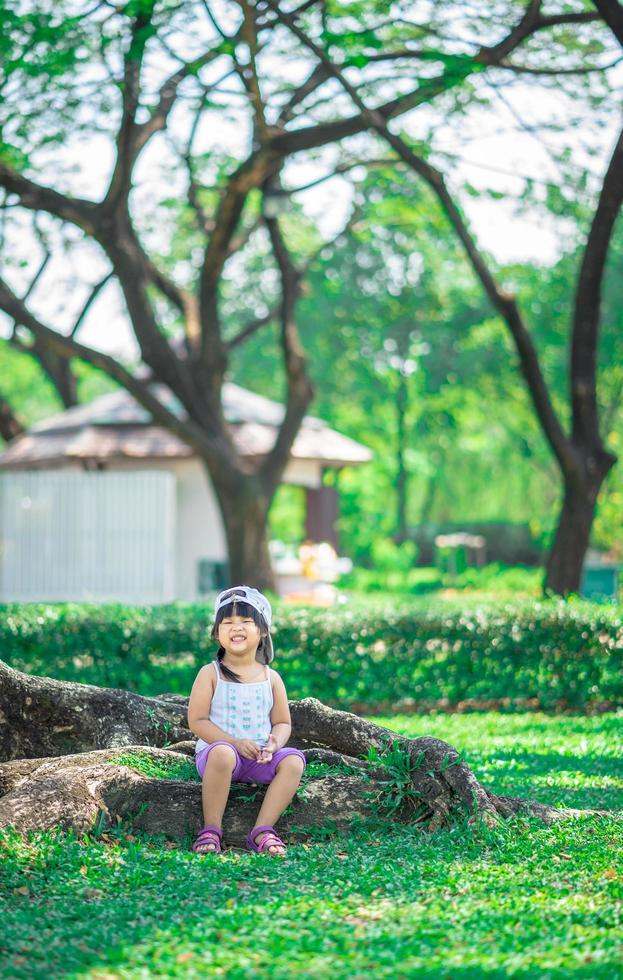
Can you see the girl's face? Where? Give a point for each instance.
(238, 635)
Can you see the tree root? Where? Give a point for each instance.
(61, 742)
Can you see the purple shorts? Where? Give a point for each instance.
(248, 770)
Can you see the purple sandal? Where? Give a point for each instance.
(270, 840)
(209, 835)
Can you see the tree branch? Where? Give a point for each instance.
(256, 324)
(37, 276)
(251, 174)
(132, 63)
(132, 136)
(339, 170)
(11, 425)
(409, 54)
(89, 302)
(559, 20)
(248, 72)
(299, 386)
(135, 272)
(252, 327)
(586, 319)
(36, 197)
(612, 12)
(85, 214)
(168, 94)
(503, 302)
(318, 77)
(67, 347)
(549, 72)
(57, 369)
(293, 141)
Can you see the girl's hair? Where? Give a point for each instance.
(247, 612)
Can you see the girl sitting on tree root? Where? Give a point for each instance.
(238, 708)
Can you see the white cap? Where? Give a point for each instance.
(245, 593)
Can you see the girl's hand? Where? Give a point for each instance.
(248, 748)
(266, 754)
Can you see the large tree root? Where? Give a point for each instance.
(64, 740)
(40, 716)
(82, 792)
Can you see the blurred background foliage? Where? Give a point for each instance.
(395, 324)
(407, 355)
(409, 358)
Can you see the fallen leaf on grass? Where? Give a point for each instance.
(23, 890)
(92, 893)
(611, 873)
(184, 957)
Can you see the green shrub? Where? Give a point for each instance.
(501, 579)
(367, 652)
(400, 578)
(414, 581)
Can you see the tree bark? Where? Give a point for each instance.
(63, 747)
(59, 371)
(563, 572)
(244, 510)
(10, 425)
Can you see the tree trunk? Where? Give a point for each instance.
(10, 425)
(59, 371)
(245, 520)
(566, 558)
(71, 750)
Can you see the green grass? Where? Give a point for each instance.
(521, 900)
(571, 761)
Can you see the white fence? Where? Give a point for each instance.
(71, 535)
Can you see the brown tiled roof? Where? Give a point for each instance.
(115, 426)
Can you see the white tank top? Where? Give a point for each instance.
(241, 710)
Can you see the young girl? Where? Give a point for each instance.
(239, 709)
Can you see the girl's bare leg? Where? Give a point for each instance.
(279, 794)
(216, 783)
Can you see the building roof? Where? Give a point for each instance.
(115, 426)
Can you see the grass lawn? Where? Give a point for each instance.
(521, 900)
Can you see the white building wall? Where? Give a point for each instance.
(303, 473)
(74, 536)
(201, 535)
(200, 531)
(199, 528)
(55, 554)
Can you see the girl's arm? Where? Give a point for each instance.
(280, 715)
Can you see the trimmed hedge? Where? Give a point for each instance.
(361, 655)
